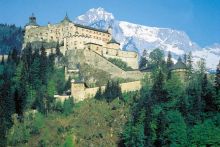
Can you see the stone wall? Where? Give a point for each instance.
(99, 62)
(59, 31)
(79, 92)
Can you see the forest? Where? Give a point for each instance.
(174, 113)
(165, 112)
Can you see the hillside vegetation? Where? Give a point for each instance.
(92, 123)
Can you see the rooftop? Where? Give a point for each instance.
(179, 65)
(90, 28)
(113, 41)
(66, 19)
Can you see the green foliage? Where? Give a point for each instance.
(19, 133)
(121, 64)
(37, 123)
(206, 134)
(112, 91)
(143, 62)
(176, 132)
(189, 64)
(169, 64)
(134, 135)
(68, 106)
(176, 113)
(69, 142)
(99, 94)
(175, 92)
(156, 58)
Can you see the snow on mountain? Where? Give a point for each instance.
(135, 37)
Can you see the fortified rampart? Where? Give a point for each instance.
(79, 92)
(97, 61)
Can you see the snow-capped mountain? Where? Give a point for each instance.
(136, 37)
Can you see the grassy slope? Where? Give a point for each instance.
(93, 123)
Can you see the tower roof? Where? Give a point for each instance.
(113, 41)
(66, 19)
(32, 21)
(179, 65)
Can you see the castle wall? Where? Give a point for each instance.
(76, 36)
(113, 46)
(57, 32)
(181, 73)
(131, 58)
(97, 61)
(80, 93)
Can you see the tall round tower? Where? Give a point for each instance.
(32, 22)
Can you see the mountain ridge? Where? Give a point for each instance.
(137, 37)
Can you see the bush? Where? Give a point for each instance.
(68, 106)
(19, 133)
(37, 124)
(68, 142)
(58, 106)
(121, 64)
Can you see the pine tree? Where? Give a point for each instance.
(58, 53)
(169, 64)
(142, 63)
(14, 55)
(217, 78)
(143, 60)
(208, 95)
(98, 94)
(43, 65)
(27, 56)
(35, 72)
(158, 92)
(189, 64)
(185, 59)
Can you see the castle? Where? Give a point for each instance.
(83, 45)
(78, 37)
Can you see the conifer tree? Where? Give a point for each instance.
(14, 55)
(217, 78)
(143, 60)
(185, 58)
(208, 95)
(169, 64)
(158, 92)
(43, 65)
(98, 94)
(58, 53)
(27, 56)
(189, 64)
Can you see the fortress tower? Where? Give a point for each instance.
(180, 70)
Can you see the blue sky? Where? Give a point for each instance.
(200, 19)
